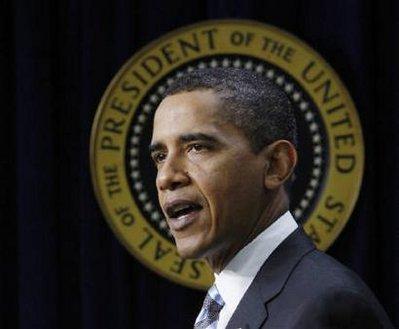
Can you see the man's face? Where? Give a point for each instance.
(209, 181)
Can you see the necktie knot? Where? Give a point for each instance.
(208, 317)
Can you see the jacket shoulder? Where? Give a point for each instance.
(322, 272)
(320, 292)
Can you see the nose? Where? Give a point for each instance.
(172, 175)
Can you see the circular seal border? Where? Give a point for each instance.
(323, 230)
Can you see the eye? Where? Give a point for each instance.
(197, 147)
(158, 157)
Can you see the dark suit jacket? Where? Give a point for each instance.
(300, 287)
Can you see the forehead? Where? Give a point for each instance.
(187, 111)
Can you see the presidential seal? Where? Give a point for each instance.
(326, 182)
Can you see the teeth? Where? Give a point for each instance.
(182, 207)
(182, 211)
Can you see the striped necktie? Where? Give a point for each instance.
(208, 317)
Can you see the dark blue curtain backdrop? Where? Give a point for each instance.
(61, 267)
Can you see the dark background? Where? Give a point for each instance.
(61, 267)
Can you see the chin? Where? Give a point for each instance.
(188, 253)
(188, 250)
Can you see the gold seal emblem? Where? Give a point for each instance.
(327, 179)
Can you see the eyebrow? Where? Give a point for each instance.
(198, 137)
(185, 138)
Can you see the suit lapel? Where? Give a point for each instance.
(251, 312)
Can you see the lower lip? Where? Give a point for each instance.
(181, 223)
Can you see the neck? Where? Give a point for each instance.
(277, 205)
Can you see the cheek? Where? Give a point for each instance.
(234, 175)
(228, 186)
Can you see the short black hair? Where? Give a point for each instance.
(250, 101)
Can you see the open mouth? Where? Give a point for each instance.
(182, 208)
(182, 213)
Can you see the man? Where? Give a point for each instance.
(224, 147)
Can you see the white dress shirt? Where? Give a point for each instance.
(234, 280)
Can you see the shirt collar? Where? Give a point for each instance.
(233, 281)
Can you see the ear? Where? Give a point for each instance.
(281, 158)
